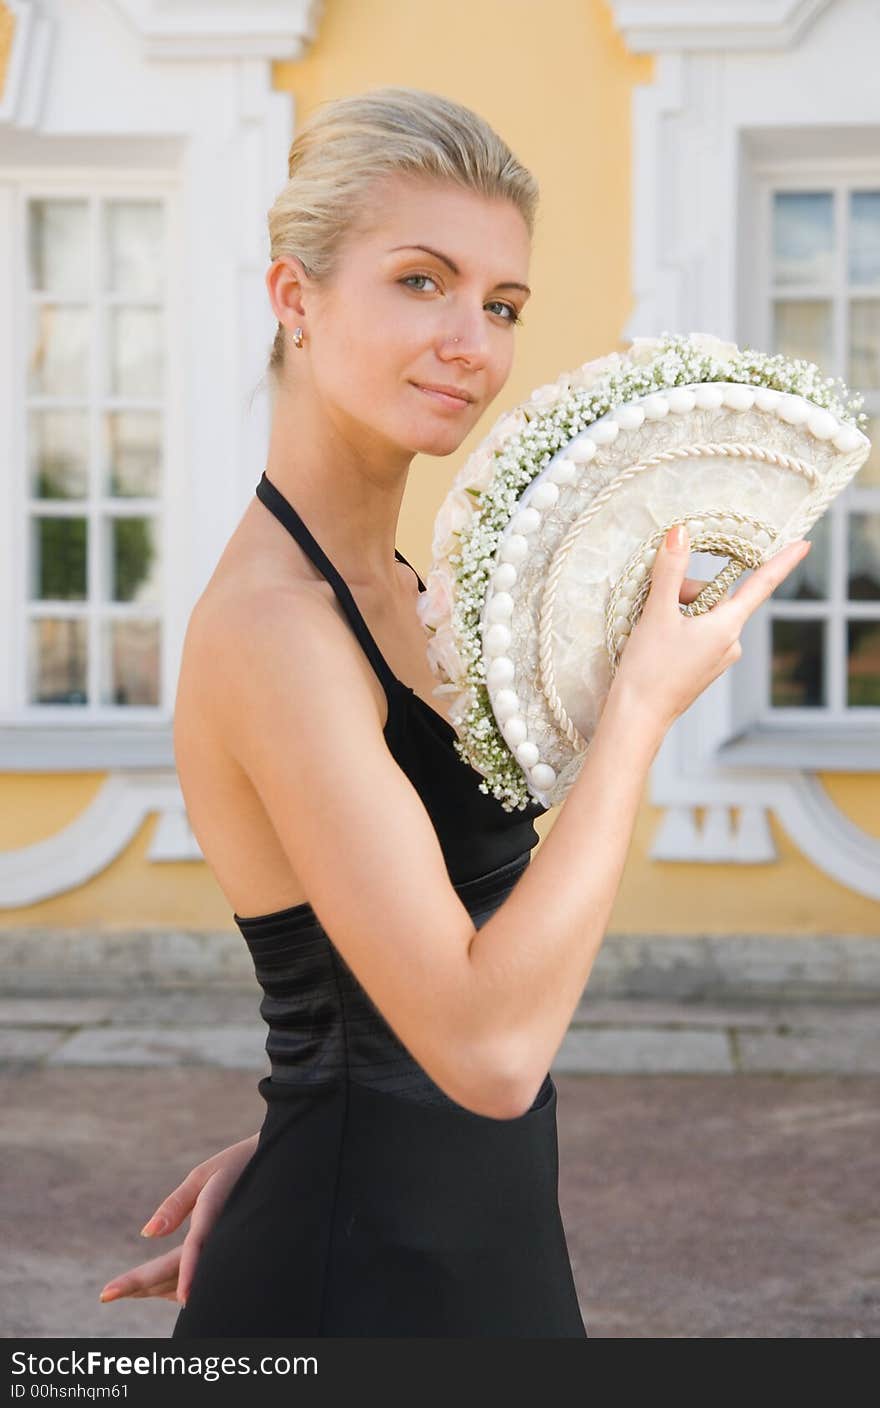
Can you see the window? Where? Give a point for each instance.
(91, 342)
(820, 300)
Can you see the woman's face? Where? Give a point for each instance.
(396, 319)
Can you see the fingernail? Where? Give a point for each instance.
(153, 1226)
(677, 536)
(108, 1295)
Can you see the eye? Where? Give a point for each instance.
(514, 316)
(416, 276)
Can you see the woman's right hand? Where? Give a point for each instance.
(670, 658)
(203, 1193)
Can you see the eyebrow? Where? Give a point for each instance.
(444, 258)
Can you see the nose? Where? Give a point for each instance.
(468, 339)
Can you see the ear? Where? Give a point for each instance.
(286, 284)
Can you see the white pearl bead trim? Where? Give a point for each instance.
(543, 494)
(562, 472)
(504, 576)
(497, 639)
(525, 521)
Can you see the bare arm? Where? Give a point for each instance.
(532, 958)
(483, 1012)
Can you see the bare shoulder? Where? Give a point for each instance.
(269, 637)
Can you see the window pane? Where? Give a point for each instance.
(130, 673)
(864, 343)
(803, 236)
(58, 559)
(864, 237)
(863, 581)
(57, 664)
(134, 258)
(809, 580)
(133, 559)
(58, 247)
(802, 328)
(863, 664)
(869, 474)
(59, 360)
(798, 674)
(133, 441)
(135, 351)
(58, 454)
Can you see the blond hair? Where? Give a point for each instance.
(347, 144)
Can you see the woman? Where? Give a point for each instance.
(404, 1180)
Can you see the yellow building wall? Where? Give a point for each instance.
(7, 33)
(560, 93)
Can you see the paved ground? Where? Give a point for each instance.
(719, 1166)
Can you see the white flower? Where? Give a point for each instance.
(643, 350)
(477, 470)
(712, 346)
(455, 512)
(505, 427)
(589, 373)
(461, 702)
(443, 655)
(434, 606)
(546, 395)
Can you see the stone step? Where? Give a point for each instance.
(607, 1036)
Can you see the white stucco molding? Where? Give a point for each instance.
(657, 26)
(100, 833)
(225, 29)
(685, 778)
(27, 65)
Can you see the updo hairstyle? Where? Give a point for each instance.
(348, 144)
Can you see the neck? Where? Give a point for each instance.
(348, 494)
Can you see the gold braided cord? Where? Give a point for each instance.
(632, 587)
(744, 556)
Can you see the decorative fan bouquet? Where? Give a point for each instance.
(542, 548)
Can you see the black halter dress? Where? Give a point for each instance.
(374, 1204)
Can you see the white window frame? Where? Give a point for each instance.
(93, 735)
(180, 94)
(834, 736)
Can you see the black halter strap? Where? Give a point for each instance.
(286, 514)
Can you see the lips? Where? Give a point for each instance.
(451, 395)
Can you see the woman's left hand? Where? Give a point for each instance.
(202, 1193)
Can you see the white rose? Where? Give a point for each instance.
(712, 346)
(546, 395)
(460, 705)
(461, 701)
(434, 606)
(590, 372)
(643, 350)
(443, 655)
(477, 471)
(505, 427)
(455, 512)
